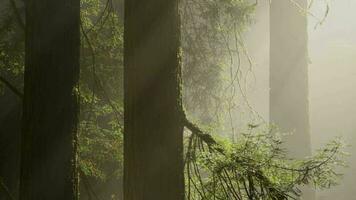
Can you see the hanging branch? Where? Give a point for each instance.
(11, 87)
(215, 172)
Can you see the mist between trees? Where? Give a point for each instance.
(180, 77)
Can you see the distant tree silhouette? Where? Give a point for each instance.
(289, 76)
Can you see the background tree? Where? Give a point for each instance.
(11, 63)
(101, 97)
(10, 118)
(209, 88)
(289, 106)
(50, 105)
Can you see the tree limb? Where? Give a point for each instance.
(205, 137)
(11, 87)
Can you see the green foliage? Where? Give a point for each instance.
(211, 39)
(101, 91)
(100, 87)
(256, 167)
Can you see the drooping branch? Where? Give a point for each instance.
(225, 178)
(119, 115)
(11, 87)
(210, 166)
(206, 137)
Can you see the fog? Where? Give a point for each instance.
(332, 73)
(228, 87)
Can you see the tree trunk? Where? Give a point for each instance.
(153, 149)
(10, 117)
(289, 106)
(50, 107)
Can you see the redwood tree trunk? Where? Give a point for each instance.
(289, 105)
(10, 117)
(153, 149)
(50, 105)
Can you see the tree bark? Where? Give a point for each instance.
(153, 140)
(10, 117)
(50, 107)
(289, 105)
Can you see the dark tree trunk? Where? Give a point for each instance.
(289, 106)
(50, 108)
(10, 117)
(153, 148)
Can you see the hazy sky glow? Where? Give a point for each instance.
(332, 50)
(332, 79)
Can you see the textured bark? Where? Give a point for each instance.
(10, 117)
(153, 149)
(50, 104)
(289, 106)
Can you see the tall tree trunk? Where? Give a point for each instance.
(50, 107)
(153, 149)
(289, 106)
(10, 117)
